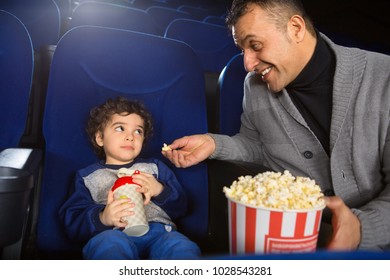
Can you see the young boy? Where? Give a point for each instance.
(117, 130)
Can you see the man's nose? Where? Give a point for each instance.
(250, 61)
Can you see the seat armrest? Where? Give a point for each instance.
(21, 158)
(27, 161)
(221, 174)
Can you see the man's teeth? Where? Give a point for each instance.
(266, 71)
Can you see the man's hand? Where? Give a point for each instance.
(190, 150)
(346, 226)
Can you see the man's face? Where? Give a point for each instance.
(267, 50)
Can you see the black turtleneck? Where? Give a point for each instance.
(311, 91)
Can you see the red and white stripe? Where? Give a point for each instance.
(255, 230)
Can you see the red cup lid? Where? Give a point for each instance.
(124, 180)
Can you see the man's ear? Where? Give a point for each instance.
(296, 28)
(99, 139)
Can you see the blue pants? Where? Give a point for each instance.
(160, 243)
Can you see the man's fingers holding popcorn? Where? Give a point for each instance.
(178, 158)
(166, 148)
(190, 150)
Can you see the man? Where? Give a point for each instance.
(314, 108)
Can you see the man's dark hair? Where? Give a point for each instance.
(100, 116)
(279, 11)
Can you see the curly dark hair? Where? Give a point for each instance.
(280, 11)
(99, 117)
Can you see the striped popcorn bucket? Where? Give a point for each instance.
(256, 230)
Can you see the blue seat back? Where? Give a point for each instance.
(163, 16)
(197, 13)
(214, 47)
(41, 18)
(215, 20)
(92, 64)
(16, 71)
(231, 93)
(127, 3)
(145, 4)
(115, 16)
(212, 43)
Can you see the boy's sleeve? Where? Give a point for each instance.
(173, 198)
(80, 214)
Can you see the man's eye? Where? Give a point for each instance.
(119, 128)
(256, 47)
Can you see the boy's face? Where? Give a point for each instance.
(122, 138)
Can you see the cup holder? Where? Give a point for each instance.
(15, 188)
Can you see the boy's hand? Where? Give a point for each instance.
(150, 187)
(115, 210)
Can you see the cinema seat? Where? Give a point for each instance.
(92, 64)
(230, 95)
(41, 17)
(114, 16)
(42, 20)
(212, 43)
(195, 12)
(214, 46)
(215, 20)
(16, 81)
(17, 168)
(163, 16)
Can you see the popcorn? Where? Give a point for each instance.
(166, 148)
(276, 190)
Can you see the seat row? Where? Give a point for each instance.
(212, 43)
(89, 65)
(48, 20)
(153, 20)
(203, 37)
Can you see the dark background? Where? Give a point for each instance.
(364, 24)
(355, 23)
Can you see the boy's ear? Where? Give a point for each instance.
(99, 139)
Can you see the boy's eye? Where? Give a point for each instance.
(119, 128)
(139, 131)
